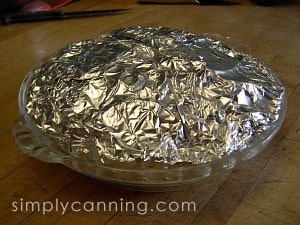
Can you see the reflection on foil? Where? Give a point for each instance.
(153, 94)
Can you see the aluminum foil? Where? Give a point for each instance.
(152, 94)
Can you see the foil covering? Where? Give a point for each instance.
(152, 94)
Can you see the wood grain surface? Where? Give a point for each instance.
(264, 191)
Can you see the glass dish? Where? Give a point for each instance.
(140, 175)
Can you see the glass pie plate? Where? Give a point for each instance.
(139, 174)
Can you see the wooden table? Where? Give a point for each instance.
(264, 191)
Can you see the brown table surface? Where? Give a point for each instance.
(264, 191)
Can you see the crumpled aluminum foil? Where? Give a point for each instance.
(152, 94)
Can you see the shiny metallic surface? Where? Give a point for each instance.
(157, 95)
